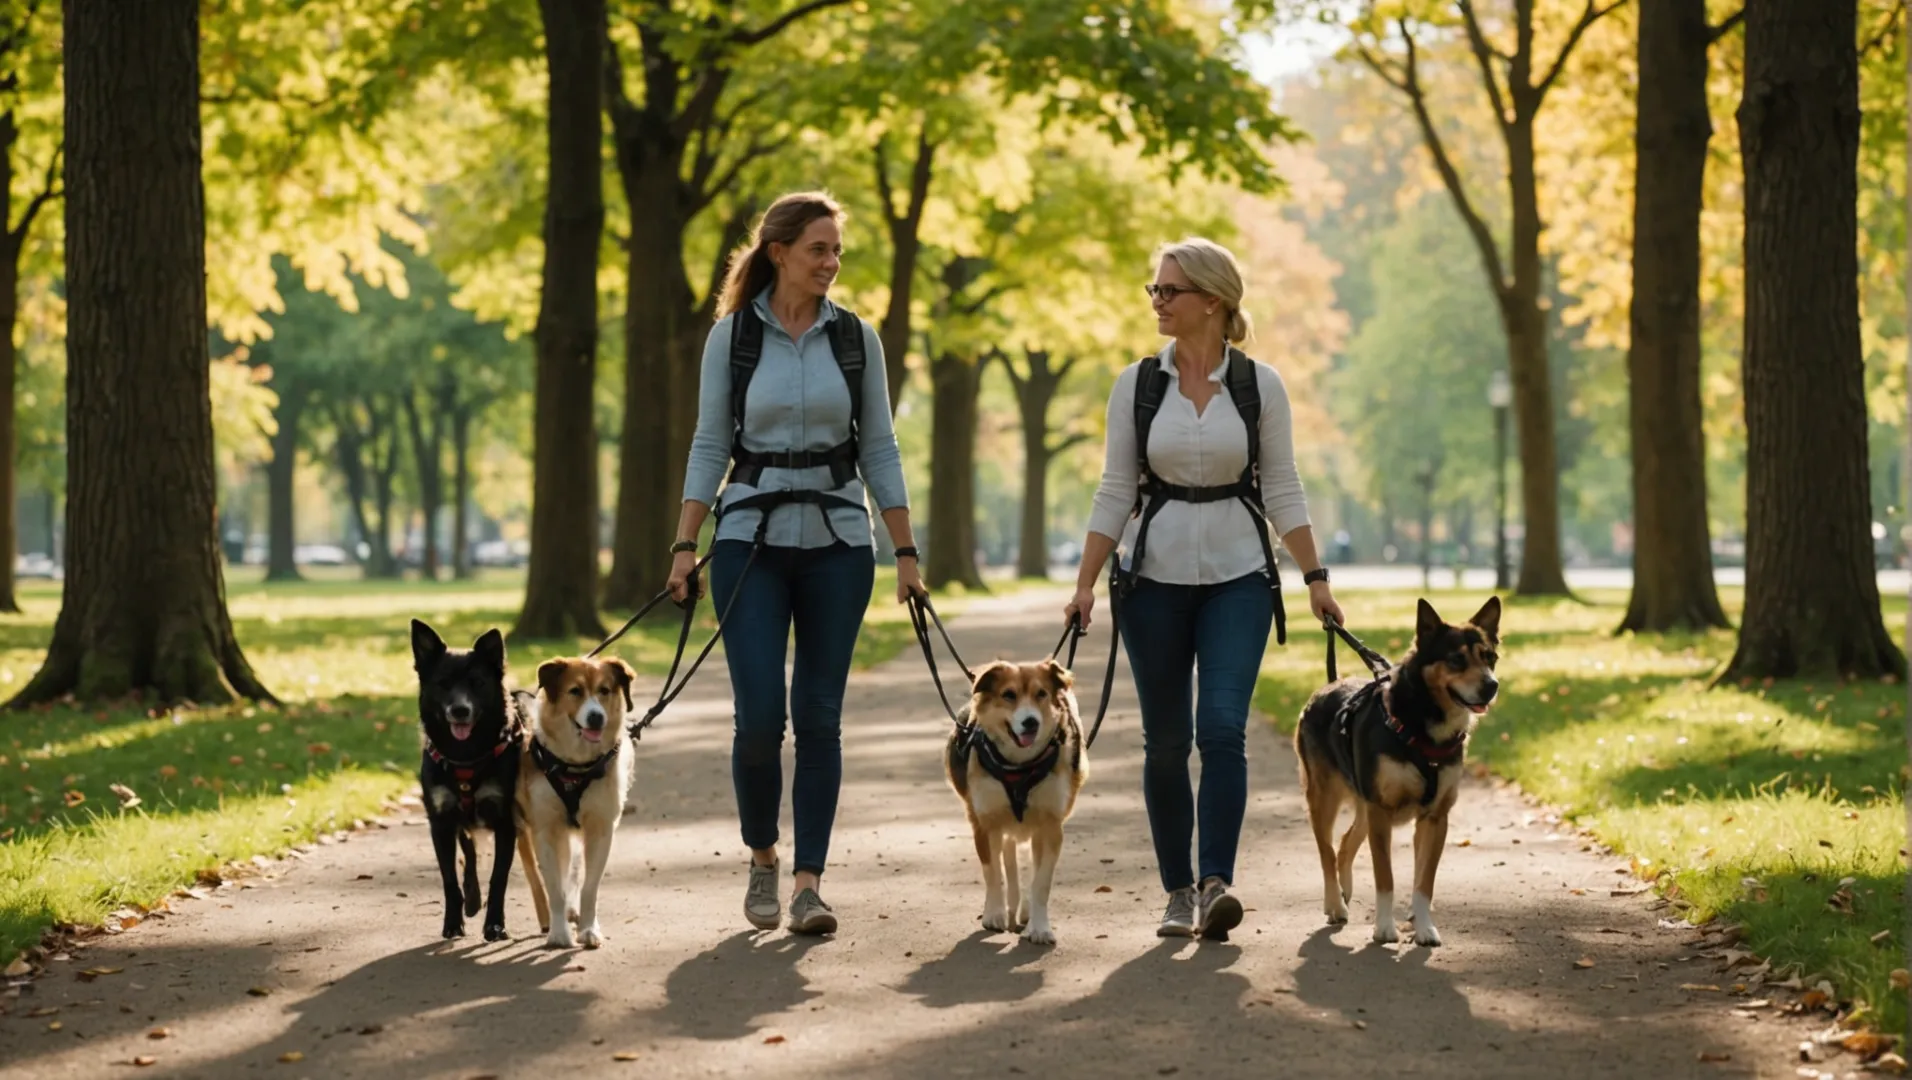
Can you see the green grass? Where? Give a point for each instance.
(1749, 803)
(223, 785)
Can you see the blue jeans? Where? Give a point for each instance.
(823, 592)
(1172, 632)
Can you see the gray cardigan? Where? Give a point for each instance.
(797, 401)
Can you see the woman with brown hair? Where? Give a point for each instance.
(793, 403)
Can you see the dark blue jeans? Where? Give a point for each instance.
(1172, 633)
(823, 593)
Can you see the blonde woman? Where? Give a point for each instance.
(793, 404)
(1200, 459)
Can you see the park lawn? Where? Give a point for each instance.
(1750, 803)
(223, 785)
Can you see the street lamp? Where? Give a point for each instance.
(1500, 394)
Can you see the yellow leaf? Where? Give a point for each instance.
(291, 1057)
(624, 1055)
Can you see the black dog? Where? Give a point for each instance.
(474, 743)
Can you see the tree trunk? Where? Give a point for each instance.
(348, 443)
(561, 584)
(143, 607)
(10, 245)
(1541, 572)
(281, 471)
(461, 494)
(428, 447)
(385, 455)
(1812, 594)
(952, 491)
(1034, 394)
(1672, 555)
(905, 247)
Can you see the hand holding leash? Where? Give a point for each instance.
(684, 584)
(1078, 610)
(909, 580)
(1322, 602)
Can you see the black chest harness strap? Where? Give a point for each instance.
(746, 349)
(466, 776)
(1364, 728)
(1153, 493)
(568, 780)
(1017, 780)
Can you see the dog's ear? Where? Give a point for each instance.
(550, 673)
(623, 674)
(1488, 619)
(490, 648)
(427, 647)
(1427, 621)
(1059, 677)
(991, 676)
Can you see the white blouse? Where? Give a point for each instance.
(1198, 543)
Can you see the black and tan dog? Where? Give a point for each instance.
(1394, 747)
(474, 741)
(1018, 761)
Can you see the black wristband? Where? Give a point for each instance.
(1319, 573)
(682, 546)
(906, 552)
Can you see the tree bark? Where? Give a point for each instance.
(1812, 593)
(905, 247)
(1035, 392)
(561, 584)
(143, 607)
(1673, 585)
(281, 472)
(10, 245)
(384, 440)
(461, 494)
(952, 479)
(428, 447)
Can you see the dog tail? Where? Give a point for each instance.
(472, 900)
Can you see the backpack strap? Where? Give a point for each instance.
(846, 343)
(746, 350)
(1244, 389)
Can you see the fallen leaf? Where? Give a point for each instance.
(1867, 1044)
(160, 1033)
(1813, 999)
(73, 798)
(44, 1010)
(291, 1057)
(258, 991)
(1901, 979)
(769, 1040)
(98, 971)
(624, 1055)
(1708, 1055)
(1104, 888)
(1465, 842)
(19, 967)
(1881, 937)
(55, 1026)
(144, 1060)
(575, 967)
(1700, 986)
(1583, 963)
(1360, 1025)
(1889, 1062)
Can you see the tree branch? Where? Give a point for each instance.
(1878, 41)
(1484, 55)
(49, 190)
(776, 25)
(1069, 442)
(1483, 237)
(701, 196)
(883, 190)
(1731, 23)
(1381, 68)
(1588, 17)
(982, 301)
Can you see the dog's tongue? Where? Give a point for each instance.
(1478, 710)
(461, 732)
(1023, 738)
(591, 734)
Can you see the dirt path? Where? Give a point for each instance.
(343, 942)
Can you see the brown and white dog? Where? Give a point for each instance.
(1395, 748)
(576, 773)
(1018, 763)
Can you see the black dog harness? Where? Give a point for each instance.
(467, 775)
(1017, 780)
(568, 780)
(1365, 728)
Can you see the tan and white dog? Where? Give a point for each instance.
(577, 771)
(1018, 763)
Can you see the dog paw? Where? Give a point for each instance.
(1427, 937)
(590, 937)
(1039, 933)
(454, 928)
(1337, 915)
(560, 939)
(1022, 912)
(496, 932)
(995, 919)
(1386, 934)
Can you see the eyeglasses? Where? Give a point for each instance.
(1167, 293)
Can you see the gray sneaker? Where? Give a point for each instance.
(1218, 912)
(810, 915)
(1179, 919)
(761, 905)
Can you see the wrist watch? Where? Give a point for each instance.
(682, 546)
(906, 552)
(1319, 573)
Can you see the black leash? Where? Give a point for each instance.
(1377, 664)
(669, 693)
(922, 614)
(1115, 646)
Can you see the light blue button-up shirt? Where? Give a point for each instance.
(797, 401)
